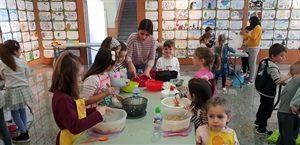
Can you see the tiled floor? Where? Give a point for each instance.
(244, 102)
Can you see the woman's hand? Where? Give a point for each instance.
(131, 69)
(147, 73)
(294, 110)
(242, 33)
(103, 110)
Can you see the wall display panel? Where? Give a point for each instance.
(168, 25)
(27, 46)
(281, 24)
(22, 15)
(30, 16)
(73, 15)
(237, 4)
(152, 15)
(222, 24)
(236, 15)
(11, 4)
(13, 15)
(222, 32)
(17, 36)
(209, 14)
(193, 44)
(150, 5)
(181, 53)
(34, 45)
(70, 6)
(283, 14)
(5, 27)
(269, 4)
(24, 26)
(168, 15)
(71, 25)
(294, 34)
(4, 15)
(29, 5)
(25, 36)
(194, 24)
(295, 14)
(59, 34)
(223, 14)
(72, 35)
(3, 4)
(21, 4)
(267, 24)
(296, 4)
(268, 14)
(195, 4)
(46, 25)
(293, 44)
(182, 4)
(294, 24)
(47, 35)
(56, 6)
(32, 26)
(181, 25)
(194, 34)
(168, 5)
(232, 34)
(6, 36)
(36, 54)
(29, 56)
(182, 14)
(195, 14)
(59, 25)
(284, 4)
(181, 34)
(223, 4)
(256, 13)
(265, 44)
(236, 25)
(280, 34)
(43, 6)
(208, 23)
(209, 4)
(15, 26)
(45, 16)
(181, 44)
(33, 35)
(155, 35)
(190, 53)
(268, 34)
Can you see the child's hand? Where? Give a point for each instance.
(109, 91)
(187, 107)
(127, 82)
(103, 110)
(294, 110)
(176, 100)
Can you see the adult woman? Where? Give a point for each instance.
(254, 38)
(141, 50)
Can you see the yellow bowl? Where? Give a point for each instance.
(129, 88)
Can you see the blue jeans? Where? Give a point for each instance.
(137, 67)
(20, 119)
(3, 129)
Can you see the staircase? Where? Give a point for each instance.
(128, 23)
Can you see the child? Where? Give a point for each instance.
(218, 115)
(245, 62)
(96, 79)
(266, 81)
(288, 119)
(68, 108)
(203, 58)
(111, 43)
(211, 41)
(204, 40)
(168, 61)
(222, 49)
(18, 94)
(4, 133)
(118, 76)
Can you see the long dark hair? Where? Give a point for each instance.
(65, 73)
(102, 61)
(201, 90)
(106, 43)
(254, 21)
(7, 50)
(147, 25)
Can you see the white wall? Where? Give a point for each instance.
(111, 8)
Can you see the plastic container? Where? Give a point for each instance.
(165, 93)
(135, 106)
(141, 80)
(154, 85)
(136, 91)
(157, 131)
(172, 91)
(178, 125)
(130, 87)
(114, 122)
(169, 102)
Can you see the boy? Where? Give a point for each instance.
(267, 78)
(211, 41)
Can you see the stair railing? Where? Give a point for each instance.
(119, 15)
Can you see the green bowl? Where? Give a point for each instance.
(129, 88)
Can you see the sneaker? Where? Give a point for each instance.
(22, 138)
(256, 124)
(224, 89)
(262, 131)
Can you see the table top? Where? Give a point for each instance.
(140, 131)
(65, 45)
(238, 54)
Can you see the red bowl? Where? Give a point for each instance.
(141, 80)
(154, 85)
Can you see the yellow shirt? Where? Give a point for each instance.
(255, 37)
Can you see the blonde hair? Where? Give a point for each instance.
(221, 41)
(218, 101)
(295, 68)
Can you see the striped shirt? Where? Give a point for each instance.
(140, 52)
(199, 117)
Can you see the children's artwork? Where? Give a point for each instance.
(236, 43)
(45, 16)
(194, 24)
(182, 4)
(168, 5)
(209, 4)
(29, 56)
(27, 46)
(47, 34)
(296, 4)
(48, 53)
(223, 14)
(25, 36)
(168, 35)
(256, 13)
(24, 26)
(269, 4)
(223, 4)
(181, 24)
(265, 44)
(11, 4)
(168, 15)
(155, 25)
(295, 14)
(294, 35)
(181, 34)
(194, 34)
(31, 26)
(3, 4)
(222, 24)
(232, 34)
(5, 27)
(294, 24)
(180, 44)
(57, 16)
(236, 25)
(280, 34)
(195, 14)
(278, 41)
(195, 4)
(151, 5)
(182, 14)
(6, 36)
(43, 6)
(152, 15)
(30, 16)
(71, 25)
(283, 14)
(209, 14)
(47, 43)
(15, 26)
(168, 25)
(22, 15)
(36, 55)
(46, 25)
(72, 35)
(59, 25)
(208, 23)
(222, 32)
(56, 6)
(237, 4)
(268, 14)
(180, 53)
(4, 15)
(267, 34)
(282, 24)
(70, 6)
(293, 44)
(33, 35)
(155, 35)
(193, 44)
(267, 24)
(236, 15)
(29, 5)
(284, 4)
(17, 36)
(71, 15)
(60, 35)
(21, 4)
(191, 53)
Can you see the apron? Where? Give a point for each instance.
(220, 138)
(67, 138)
(101, 88)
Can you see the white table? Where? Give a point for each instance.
(139, 131)
(235, 56)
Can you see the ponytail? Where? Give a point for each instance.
(7, 50)
(217, 61)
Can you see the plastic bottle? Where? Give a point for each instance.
(157, 131)
(136, 91)
(172, 92)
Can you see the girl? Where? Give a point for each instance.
(96, 79)
(216, 131)
(222, 49)
(141, 50)
(168, 62)
(18, 94)
(68, 109)
(203, 58)
(118, 76)
(204, 40)
(111, 43)
(288, 117)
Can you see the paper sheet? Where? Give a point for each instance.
(236, 43)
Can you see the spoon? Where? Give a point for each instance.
(175, 134)
(184, 114)
(103, 138)
(120, 98)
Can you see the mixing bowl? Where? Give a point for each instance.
(175, 120)
(129, 88)
(154, 85)
(169, 102)
(165, 93)
(141, 80)
(135, 106)
(112, 122)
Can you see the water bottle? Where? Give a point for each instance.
(172, 92)
(157, 131)
(136, 91)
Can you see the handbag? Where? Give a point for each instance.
(166, 75)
